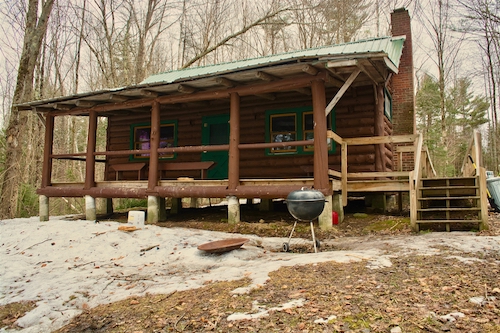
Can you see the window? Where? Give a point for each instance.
(283, 129)
(141, 138)
(293, 125)
(388, 104)
(308, 130)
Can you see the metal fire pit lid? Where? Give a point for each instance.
(224, 245)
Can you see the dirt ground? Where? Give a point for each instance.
(416, 294)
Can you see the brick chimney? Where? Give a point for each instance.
(403, 96)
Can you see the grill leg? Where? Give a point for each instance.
(314, 237)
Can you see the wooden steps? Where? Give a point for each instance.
(449, 201)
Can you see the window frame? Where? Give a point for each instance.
(134, 141)
(388, 104)
(300, 130)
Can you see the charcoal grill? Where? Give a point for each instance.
(304, 205)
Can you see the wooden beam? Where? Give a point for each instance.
(47, 151)
(410, 138)
(270, 97)
(364, 70)
(341, 63)
(343, 167)
(336, 82)
(234, 141)
(266, 77)
(334, 136)
(289, 84)
(38, 109)
(225, 82)
(309, 69)
(379, 186)
(148, 93)
(90, 157)
(378, 174)
(85, 104)
(304, 91)
(60, 106)
(320, 144)
(342, 90)
(115, 98)
(154, 145)
(185, 89)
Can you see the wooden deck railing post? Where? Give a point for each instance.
(90, 208)
(234, 141)
(154, 145)
(344, 173)
(90, 157)
(321, 181)
(47, 166)
(47, 150)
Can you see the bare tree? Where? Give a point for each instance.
(483, 24)
(211, 41)
(35, 29)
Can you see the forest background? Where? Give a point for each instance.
(53, 48)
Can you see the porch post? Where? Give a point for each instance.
(153, 200)
(91, 145)
(47, 150)
(233, 206)
(47, 166)
(234, 141)
(90, 211)
(321, 181)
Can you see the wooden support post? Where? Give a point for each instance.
(193, 202)
(379, 128)
(344, 173)
(90, 211)
(234, 141)
(413, 202)
(109, 206)
(325, 218)
(377, 202)
(483, 195)
(90, 158)
(154, 145)
(266, 205)
(320, 145)
(47, 150)
(176, 206)
(163, 209)
(43, 207)
(153, 209)
(338, 206)
(233, 209)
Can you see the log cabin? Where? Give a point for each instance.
(256, 128)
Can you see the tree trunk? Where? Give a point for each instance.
(16, 130)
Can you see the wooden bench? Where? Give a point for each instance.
(128, 167)
(184, 166)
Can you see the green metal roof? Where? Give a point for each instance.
(391, 46)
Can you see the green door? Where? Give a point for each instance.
(215, 131)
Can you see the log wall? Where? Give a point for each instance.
(354, 117)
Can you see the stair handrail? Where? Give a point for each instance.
(473, 156)
(418, 157)
(415, 177)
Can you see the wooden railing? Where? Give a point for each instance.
(422, 162)
(473, 166)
